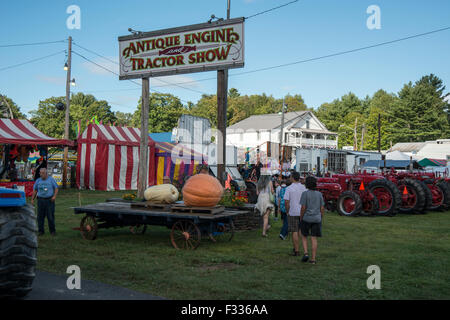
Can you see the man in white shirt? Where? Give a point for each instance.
(292, 202)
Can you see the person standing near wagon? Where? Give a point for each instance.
(45, 189)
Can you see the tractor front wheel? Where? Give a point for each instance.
(349, 204)
(413, 196)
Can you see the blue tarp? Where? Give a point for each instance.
(396, 164)
(161, 136)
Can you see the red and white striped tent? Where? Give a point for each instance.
(108, 158)
(22, 132)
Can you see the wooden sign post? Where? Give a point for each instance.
(143, 156)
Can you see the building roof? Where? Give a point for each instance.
(314, 131)
(408, 146)
(265, 121)
(396, 155)
(435, 151)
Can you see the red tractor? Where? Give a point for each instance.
(362, 193)
(421, 191)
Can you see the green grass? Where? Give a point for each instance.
(413, 252)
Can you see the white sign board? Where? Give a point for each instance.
(194, 48)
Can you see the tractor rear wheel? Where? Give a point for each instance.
(388, 195)
(18, 250)
(349, 204)
(445, 188)
(438, 195)
(413, 201)
(428, 197)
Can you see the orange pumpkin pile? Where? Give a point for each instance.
(202, 190)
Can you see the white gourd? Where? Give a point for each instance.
(162, 193)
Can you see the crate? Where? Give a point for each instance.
(184, 209)
(151, 205)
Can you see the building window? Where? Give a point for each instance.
(307, 124)
(258, 135)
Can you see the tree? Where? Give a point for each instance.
(124, 119)
(164, 111)
(334, 114)
(7, 106)
(381, 103)
(83, 107)
(421, 113)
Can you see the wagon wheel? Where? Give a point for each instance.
(222, 232)
(185, 235)
(138, 229)
(88, 228)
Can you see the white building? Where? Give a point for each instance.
(438, 149)
(301, 129)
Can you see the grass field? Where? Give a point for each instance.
(412, 251)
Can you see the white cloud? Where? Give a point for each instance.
(96, 69)
(53, 80)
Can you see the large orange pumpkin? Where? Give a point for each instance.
(202, 190)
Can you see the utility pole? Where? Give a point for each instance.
(355, 133)
(143, 150)
(379, 133)
(363, 130)
(222, 93)
(66, 127)
(281, 134)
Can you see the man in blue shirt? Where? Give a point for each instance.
(46, 189)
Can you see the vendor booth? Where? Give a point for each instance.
(176, 161)
(20, 142)
(108, 158)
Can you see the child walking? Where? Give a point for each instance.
(311, 216)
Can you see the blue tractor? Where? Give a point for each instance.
(18, 243)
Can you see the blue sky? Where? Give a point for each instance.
(303, 30)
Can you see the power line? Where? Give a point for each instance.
(115, 73)
(97, 54)
(269, 10)
(30, 61)
(115, 62)
(30, 44)
(341, 52)
(321, 57)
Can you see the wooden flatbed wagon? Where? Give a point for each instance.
(188, 225)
